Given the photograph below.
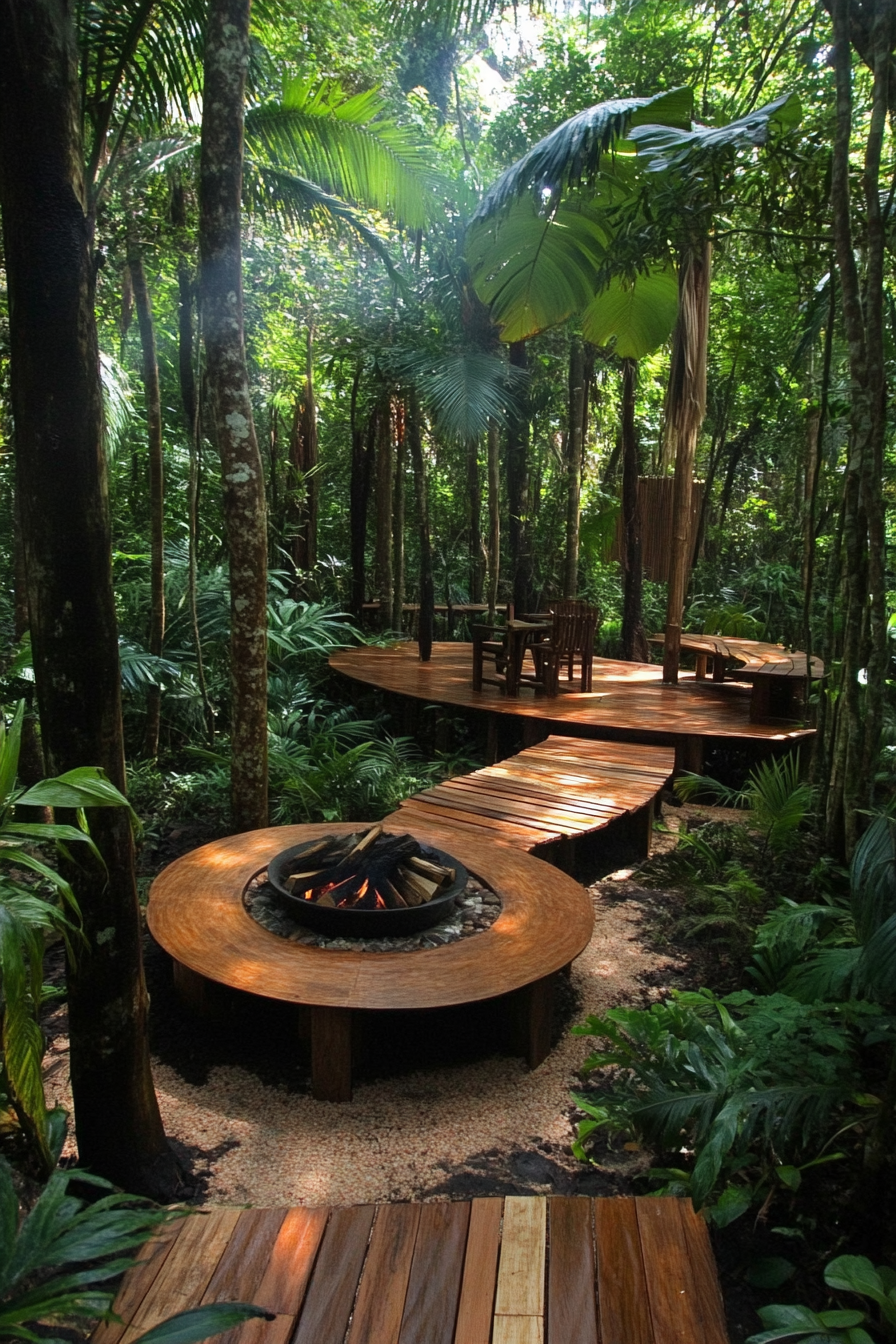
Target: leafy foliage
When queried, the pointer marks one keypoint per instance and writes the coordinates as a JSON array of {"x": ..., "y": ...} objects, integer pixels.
[
  {"x": 57, "y": 1263},
  {"x": 747, "y": 1085},
  {"x": 847, "y": 1274}
]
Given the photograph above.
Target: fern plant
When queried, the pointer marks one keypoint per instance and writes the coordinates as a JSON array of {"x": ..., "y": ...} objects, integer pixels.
[
  {"x": 778, "y": 800},
  {"x": 742, "y": 1090}
]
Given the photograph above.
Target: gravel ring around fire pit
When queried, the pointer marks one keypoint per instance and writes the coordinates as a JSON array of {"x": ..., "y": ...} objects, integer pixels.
[{"x": 475, "y": 910}]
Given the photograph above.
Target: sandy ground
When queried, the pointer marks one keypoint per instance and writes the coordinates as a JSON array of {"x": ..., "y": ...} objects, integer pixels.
[{"x": 484, "y": 1126}]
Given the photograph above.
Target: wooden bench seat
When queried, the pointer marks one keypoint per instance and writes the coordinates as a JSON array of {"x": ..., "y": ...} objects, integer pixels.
[
  {"x": 549, "y": 796},
  {"x": 521, "y": 1270}
]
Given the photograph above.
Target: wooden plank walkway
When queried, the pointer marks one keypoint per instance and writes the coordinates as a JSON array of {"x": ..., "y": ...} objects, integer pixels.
[
  {"x": 520, "y": 1270},
  {"x": 559, "y": 791}
]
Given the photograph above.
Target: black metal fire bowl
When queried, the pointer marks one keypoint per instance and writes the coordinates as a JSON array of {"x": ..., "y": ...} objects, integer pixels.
[{"x": 334, "y": 922}]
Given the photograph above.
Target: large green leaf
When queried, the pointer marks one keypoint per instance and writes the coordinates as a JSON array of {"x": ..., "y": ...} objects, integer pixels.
[
  {"x": 638, "y": 314},
  {"x": 10, "y": 742},
  {"x": 666, "y": 146},
  {"x": 201, "y": 1323},
  {"x": 535, "y": 269},
  {"x": 463, "y": 392},
  {"x": 575, "y": 150}
]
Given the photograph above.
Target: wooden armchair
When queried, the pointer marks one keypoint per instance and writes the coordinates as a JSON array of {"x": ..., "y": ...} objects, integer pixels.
[{"x": 574, "y": 627}]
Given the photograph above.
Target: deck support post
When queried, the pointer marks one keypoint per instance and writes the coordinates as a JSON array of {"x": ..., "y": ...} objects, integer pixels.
[
  {"x": 194, "y": 990},
  {"x": 531, "y": 1016},
  {"x": 331, "y": 1053},
  {"x": 689, "y": 754}
]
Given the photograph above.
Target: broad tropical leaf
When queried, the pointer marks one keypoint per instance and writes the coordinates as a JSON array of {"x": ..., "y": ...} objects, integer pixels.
[
  {"x": 638, "y": 315},
  {"x": 534, "y": 268},
  {"x": 665, "y": 146}
]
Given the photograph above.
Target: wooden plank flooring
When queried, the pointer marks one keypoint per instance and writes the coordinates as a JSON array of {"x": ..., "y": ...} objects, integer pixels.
[
  {"x": 562, "y": 789},
  {"x": 626, "y": 698},
  {"x": 525, "y": 1270}
]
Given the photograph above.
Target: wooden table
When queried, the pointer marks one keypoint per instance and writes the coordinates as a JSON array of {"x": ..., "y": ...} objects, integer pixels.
[
  {"x": 196, "y": 912},
  {"x": 516, "y": 636}
]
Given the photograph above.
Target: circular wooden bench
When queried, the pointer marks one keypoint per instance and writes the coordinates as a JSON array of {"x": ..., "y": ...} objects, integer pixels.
[{"x": 196, "y": 913}]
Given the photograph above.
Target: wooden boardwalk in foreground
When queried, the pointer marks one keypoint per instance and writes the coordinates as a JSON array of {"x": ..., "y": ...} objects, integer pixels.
[
  {"x": 521, "y": 1270},
  {"x": 559, "y": 791},
  {"x": 628, "y": 700}
]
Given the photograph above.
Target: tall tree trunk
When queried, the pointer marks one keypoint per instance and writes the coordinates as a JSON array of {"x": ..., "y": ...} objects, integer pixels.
[
  {"x": 363, "y": 448},
  {"x": 634, "y": 639},
  {"x": 685, "y": 408},
  {"x": 303, "y": 454},
  {"x": 220, "y": 182},
  {"x": 153, "y": 398},
  {"x": 61, "y": 475},
  {"x": 427, "y": 584},
  {"x": 860, "y": 712},
  {"x": 814, "y": 467},
  {"x": 398, "y": 519},
  {"x": 474, "y": 506},
  {"x": 518, "y": 495},
  {"x": 494, "y": 518},
  {"x": 575, "y": 441},
  {"x": 383, "y": 499}
]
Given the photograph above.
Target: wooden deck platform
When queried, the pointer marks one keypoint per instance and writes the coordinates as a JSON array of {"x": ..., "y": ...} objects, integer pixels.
[
  {"x": 521, "y": 1270},
  {"x": 628, "y": 701},
  {"x": 548, "y": 797}
]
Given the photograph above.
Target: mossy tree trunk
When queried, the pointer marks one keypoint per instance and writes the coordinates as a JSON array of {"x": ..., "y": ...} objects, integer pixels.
[
  {"x": 220, "y": 184},
  {"x": 63, "y": 499}
]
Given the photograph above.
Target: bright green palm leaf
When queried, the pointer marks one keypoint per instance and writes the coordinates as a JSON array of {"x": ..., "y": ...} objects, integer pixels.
[
  {"x": 10, "y": 742},
  {"x": 638, "y": 314},
  {"x": 201, "y": 1323},
  {"x": 350, "y": 148}
]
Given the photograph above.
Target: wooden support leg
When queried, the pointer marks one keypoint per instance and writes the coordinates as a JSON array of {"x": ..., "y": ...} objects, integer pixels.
[
  {"x": 534, "y": 731},
  {"x": 643, "y": 828},
  {"x": 491, "y": 748},
  {"x": 689, "y": 754},
  {"x": 540, "y": 1003},
  {"x": 194, "y": 990},
  {"x": 331, "y": 1054},
  {"x": 700, "y": 674}
]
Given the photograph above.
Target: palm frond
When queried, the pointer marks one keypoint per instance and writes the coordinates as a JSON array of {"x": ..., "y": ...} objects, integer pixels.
[
  {"x": 665, "y": 146},
  {"x": 271, "y": 191},
  {"x": 462, "y": 392},
  {"x": 348, "y": 145},
  {"x": 573, "y": 152}
]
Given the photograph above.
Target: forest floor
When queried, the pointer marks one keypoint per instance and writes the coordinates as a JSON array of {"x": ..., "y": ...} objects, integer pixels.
[{"x": 235, "y": 1100}]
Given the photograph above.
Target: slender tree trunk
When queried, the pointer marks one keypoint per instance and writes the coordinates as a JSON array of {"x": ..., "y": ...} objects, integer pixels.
[
  {"x": 427, "y": 584},
  {"x": 860, "y": 712},
  {"x": 304, "y": 457},
  {"x": 153, "y": 398},
  {"x": 363, "y": 448},
  {"x": 220, "y": 182},
  {"x": 494, "y": 517},
  {"x": 61, "y": 474},
  {"x": 634, "y": 639},
  {"x": 575, "y": 440},
  {"x": 385, "y": 466},
  {"x": 518, "y": 502},
  {"x": 398, "y": 519},
  {"x": 474, "y": 505},
  {"x": 686, "y": 405}
]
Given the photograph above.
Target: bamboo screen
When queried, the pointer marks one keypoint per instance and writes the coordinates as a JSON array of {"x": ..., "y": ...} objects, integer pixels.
[{"x": 655, "y": 499}]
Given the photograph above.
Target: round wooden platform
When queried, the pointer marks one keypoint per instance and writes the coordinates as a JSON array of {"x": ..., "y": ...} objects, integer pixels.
[{"x": 196, "y": 913}]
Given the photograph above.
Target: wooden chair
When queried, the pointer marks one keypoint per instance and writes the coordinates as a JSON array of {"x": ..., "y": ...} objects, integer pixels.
[
  {"x": 504, "y": 647},
  {"x": 574, "y": 626}
]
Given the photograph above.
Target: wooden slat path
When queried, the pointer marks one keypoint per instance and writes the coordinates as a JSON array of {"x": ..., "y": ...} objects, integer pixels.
[
  {"x": 522, "y": 1270},
  {"x": 560, "y": 790}
]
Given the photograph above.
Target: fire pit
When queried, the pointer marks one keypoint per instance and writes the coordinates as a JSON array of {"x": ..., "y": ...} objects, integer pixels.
[{"x": 370, "y": 884}]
